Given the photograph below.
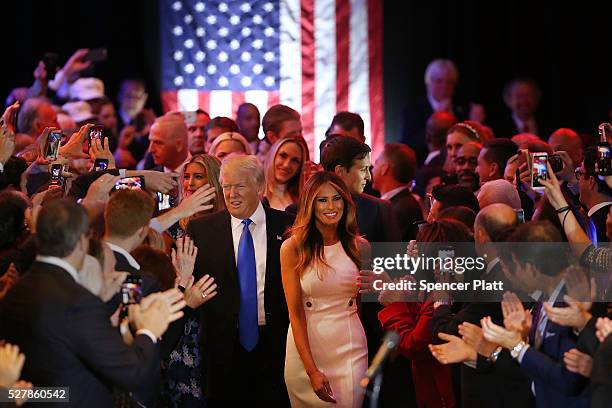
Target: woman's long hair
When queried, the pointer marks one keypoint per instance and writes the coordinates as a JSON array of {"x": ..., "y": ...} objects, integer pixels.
[
  {"x": 212, "y": 167},
  {"x": 309, "y": 241},
  {"x": 295, "y": 185}
]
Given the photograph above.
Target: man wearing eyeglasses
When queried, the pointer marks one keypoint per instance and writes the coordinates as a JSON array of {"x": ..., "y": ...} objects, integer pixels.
[{"x": 465, "y": 165}]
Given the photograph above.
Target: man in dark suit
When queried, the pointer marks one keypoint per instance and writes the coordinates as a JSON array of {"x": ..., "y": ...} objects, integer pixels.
[
  {"x": 393, "y": 174},
  {"x": 441, "y": 78},
  {"x": 126, "y": 218},
  {"x": 64, "y": 330},
  {"x": 481, "y": 384},
  {"x": 595, "y": 195},
  {"x": 244, "y": 328},
  {"x": 522, "y": 97}
]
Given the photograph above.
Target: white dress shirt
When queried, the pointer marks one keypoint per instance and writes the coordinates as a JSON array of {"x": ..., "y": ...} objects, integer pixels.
[
  {"x": 53, "y": 260},
  {"x": 392, "y": 193},
  {"x": 525, "y": 126},
  {"x": 260, "y": 242},
  {"x": 133, "y": 263}
]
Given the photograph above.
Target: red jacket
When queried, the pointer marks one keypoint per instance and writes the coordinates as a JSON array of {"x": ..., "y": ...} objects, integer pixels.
[{"x": 432, "y": 380}]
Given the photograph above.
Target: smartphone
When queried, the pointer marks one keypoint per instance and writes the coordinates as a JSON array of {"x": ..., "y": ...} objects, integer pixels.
[
  {"x": 164, "y": 201},
  {"x": 445, "y": 252},
  {"x": 51, "y": 61},
  {"x": 129, "y": 183},
  {"x": 100, "y": 164},
  {"x": 96, "y": 55},
  {"x": 190, "y": 117},
  {"x": 556, "y": 163},
  {"x": 54, "y": 142},
  {"x": 603, "y": 164},
  {"x": 96, "y": 132},
  {"x": 539, "y": 169},
  {"x": 56, "y": 175},
  {"x": 520, "y": 215},
  {"x": 131, "y": 293}
]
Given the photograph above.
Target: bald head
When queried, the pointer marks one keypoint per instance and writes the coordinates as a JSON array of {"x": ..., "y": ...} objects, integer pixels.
[
  {"x": 492, "y": 220},
  {"x": 169, "y": 140},
  {"x": 567, "y": 140}
]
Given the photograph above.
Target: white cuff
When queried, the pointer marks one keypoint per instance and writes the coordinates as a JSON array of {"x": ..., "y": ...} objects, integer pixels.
[
  {"x": 147, "y": 333},
  {"x": 58, "y": 80},
  {"x": 122, "y": 173},
  {"x": 1, "y": 168},
  {"x": 155, "y": 225}
]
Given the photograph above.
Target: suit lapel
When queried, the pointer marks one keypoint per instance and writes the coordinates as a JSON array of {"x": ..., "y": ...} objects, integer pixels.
[{"x": 226, "y": 245}]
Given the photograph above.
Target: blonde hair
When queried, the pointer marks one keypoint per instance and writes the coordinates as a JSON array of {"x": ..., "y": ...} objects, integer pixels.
[
  {"x": 309, "y": 241},
  {"x": 295, "y": 185},
  {"x": 212, "y": 167},
  {"x": 244, "y": 164},
  {"x": 229, "y": 136}
]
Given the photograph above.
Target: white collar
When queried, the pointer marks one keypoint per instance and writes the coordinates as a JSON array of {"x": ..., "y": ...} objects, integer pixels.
[
  {"x": 445, "y": 105},
  {"x": 258, "y": 218},
  {"x": 59, "y": 262},
  {"x": 491, "y": 265},
  {"x": 597, "y": 207},
  {"x": 392, "y": 193},
  {"x": 133, "y": 263},
  {"x": 431, "y": 156}
]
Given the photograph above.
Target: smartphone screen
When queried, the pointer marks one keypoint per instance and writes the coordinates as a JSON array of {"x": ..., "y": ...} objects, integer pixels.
[
  {"x": 164, "y": 201},
  {"x": 54, "y": 141},
  {"x": 539, "y": 170},
  {"x": 130, "y": 183},
  {"x": 100, "y": 164},
  {"x": 603, "y": 165},
  {"x": 131, "y": 293},
  {"x": 56, "y": 175}
]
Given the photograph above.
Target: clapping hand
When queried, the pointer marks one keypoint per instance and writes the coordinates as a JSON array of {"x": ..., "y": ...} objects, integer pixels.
[
  {"x": 499, "y": 335},
  {"x": 366, "y": 278},
  {"x": 576, "y": 315},
  {"x": 472, "y": 335},
  {"x": 604, "y": 328},
  {"x": 455, "y": 351},
  {"x": 156, "y": 311},
  {"x": 516, "y": 318},
  {"x": 183, "y": 259},
  {"x": 578, "y": 362}
]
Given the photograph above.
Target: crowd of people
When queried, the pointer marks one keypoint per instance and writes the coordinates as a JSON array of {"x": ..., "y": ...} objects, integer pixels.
[{"x": 181, "y": 260}]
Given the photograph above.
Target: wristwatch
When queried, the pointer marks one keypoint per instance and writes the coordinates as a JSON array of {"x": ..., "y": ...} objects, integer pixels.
[
  {"x": 516, "y": 351},
  {"x": 493, "y": 357}
]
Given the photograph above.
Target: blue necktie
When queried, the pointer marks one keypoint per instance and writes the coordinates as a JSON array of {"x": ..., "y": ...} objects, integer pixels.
[
  {"x": 592, "y": 231},
  {"x": 247, "y": 274}
]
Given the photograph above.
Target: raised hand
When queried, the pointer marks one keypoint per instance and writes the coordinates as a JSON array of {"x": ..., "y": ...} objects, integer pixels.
[
  {"x": 183, "y": 259},
  {"x": 455, "y": 351},
  {"x": 74, "y": 147},
  {"x": 197, "y": 202},
  {"x": 201, "y": 292},
  {"x": 75, "y": 63},
  {"x": 101, "y": 150},
  {"x": 157, "y": 181},
  {"x": 100, "y": 189},
  {"x": 8, "y": 115},
  {"x": 11, "y": 363}
]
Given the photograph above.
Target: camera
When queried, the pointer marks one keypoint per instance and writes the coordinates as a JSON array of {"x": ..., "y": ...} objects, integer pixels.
[
  {"x": 131, "y": 293},
  {"x": 54, "y": 142},
  {"x": 56, "y": 175}
]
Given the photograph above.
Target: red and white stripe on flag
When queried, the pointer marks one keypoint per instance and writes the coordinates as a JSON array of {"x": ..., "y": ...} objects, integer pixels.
[{"x": 330, "y": 61}]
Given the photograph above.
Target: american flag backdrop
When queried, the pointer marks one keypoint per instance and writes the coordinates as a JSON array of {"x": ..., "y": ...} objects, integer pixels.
[{"x": 317, "y": 56}]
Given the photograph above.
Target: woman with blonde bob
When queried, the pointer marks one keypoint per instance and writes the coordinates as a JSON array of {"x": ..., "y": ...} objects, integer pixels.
[
  {"x": 327, "y": 353},
  {"x": 202, "y": 169},
  {"x": 284, "y": 169}
]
